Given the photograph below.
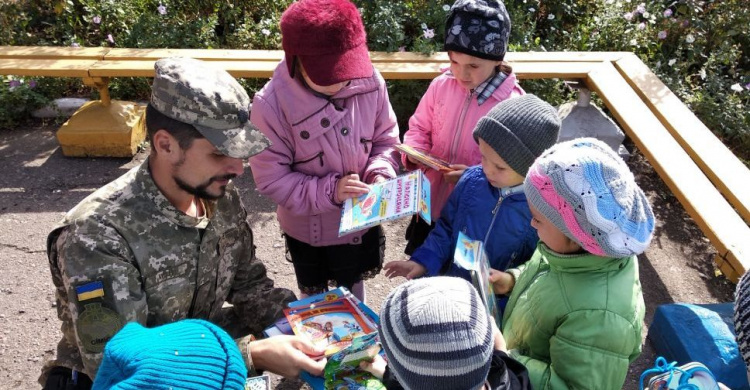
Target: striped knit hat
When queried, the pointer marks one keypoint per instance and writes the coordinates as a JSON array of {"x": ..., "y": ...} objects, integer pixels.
[
  {"x": 590, "y": 195},
  {"x": 188, "y": 354},
  {"x": 742, "y": 319},
  {"x": 436, "y": 334}
]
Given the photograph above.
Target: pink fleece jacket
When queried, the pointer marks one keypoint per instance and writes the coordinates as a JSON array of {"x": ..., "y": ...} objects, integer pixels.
[
  {"x": 316, "y": 140},
  {"x": 443, "y": 123}
]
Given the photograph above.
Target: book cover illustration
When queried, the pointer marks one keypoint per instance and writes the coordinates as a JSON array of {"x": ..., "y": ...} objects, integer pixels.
[
  {"x": 330, "y": 325},
  {"x": 470, "y": 255},
  {"x": 261, "y": 382},
  {"x": 342, "y": 369},
  {"x": 401, "y": 196},
  {"x": 425, "y": 158}
]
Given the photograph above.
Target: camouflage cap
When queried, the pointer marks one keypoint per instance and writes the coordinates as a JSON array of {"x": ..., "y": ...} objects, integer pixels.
[{"x": 210, "y": 99}]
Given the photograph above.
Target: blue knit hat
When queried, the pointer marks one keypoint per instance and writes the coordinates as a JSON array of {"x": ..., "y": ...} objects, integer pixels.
[
  {"x": 188, "y": 354},
  {"x": 436, "y": 334},
  {"x": 590, "y": 195}
]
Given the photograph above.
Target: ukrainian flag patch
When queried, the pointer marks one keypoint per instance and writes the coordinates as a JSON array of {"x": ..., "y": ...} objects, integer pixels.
[{"x": 90, "y": 291}]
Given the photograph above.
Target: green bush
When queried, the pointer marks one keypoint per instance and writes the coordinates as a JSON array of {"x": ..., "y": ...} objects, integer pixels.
[{"x": 699, "y": 48}]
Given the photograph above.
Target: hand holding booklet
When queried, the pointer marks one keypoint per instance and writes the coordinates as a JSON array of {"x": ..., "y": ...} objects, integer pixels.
[{"x": 345, "y": 327}]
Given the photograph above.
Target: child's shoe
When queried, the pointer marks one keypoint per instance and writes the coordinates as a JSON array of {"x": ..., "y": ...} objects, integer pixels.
[{"x": 690, "y": 376}]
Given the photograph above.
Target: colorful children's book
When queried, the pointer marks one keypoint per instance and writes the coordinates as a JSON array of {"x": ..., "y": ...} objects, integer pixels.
[
  {"x": 470, "y": 255},
  {"x": 331, "y": 325},
  {"x": 401, "y": 196},
  {"x": 342, "y": 369},
  {"x": 348, "y": 328},
  {"x": 424, "y": 158}
]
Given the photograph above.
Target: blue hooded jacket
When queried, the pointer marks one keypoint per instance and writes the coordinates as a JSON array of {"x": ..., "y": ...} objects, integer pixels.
[{"x": 477, "y": 209}]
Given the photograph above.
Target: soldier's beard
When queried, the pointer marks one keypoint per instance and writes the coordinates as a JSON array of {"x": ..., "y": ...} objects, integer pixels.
[{"x": 201, "y": 190}]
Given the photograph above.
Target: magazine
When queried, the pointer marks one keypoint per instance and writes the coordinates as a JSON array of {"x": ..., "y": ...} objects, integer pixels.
[
  {"x": 425, "y": 158},
  {"x": 470, "y": 255},
  {"x": 401, "y": 196}
]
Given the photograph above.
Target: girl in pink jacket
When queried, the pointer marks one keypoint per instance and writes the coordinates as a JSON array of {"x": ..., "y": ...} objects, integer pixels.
[
  {"x": 476, "y": 39},
  {"x": 332, "y": 131}
]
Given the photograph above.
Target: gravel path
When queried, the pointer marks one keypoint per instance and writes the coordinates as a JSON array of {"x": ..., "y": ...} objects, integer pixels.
[{"x": 38, "y": 185}]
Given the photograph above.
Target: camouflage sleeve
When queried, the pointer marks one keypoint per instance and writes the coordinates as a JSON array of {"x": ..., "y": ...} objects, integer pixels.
[
  {"x": 103, "y": 288},
  {"x": 253, "y": 294}
]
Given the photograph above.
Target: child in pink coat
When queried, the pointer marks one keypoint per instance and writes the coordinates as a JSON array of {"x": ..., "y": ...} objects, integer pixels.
[
  {"x": 476, "y": 39},
  {"x": 327, "y": 114}
]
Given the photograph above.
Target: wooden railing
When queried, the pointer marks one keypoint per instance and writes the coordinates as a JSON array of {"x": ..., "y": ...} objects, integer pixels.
[{"x": 710, "y": 182}]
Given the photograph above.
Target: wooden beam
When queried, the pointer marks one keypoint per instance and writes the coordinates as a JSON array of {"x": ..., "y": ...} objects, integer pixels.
[
  {"x": 711, "y": 212},
  {"x": 38, "y": 67},
  {"x": 722, "y": 167},
  {"x": 391, "y": 71},
  {"x": 53, "y": 52}
]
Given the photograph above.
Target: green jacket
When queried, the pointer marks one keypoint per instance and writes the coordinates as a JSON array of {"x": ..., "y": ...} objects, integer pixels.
[
  {"x": 575, "y": 321},
  {"x": 125, "y": 253}
]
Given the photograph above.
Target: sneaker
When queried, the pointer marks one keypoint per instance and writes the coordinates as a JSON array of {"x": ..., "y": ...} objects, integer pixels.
[{"x": 690, "y": 376}]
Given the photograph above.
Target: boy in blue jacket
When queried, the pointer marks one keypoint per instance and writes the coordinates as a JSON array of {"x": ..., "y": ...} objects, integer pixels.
[{"x": 488, "y": 203}]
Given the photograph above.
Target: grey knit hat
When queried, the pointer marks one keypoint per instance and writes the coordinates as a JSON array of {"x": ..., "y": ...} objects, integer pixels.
[
  {"x": 742, "y": 319},
  {"x": 519, "y": 130},
  {"x": 436, "y": 334},
  {"x": 478, "y": 28}
]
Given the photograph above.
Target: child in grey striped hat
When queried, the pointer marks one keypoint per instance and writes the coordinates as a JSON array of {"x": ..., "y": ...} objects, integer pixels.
[{"x": 437, "y": 335}]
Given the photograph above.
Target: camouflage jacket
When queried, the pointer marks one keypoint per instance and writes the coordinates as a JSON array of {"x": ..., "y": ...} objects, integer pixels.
[{"x": 126, "y": 254}]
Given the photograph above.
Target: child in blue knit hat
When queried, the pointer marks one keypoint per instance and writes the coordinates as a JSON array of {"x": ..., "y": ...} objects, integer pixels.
[
  {"x": 437, "y": 335},
  {"x": 576, "y": 310},
  {"x": 188, "y": 354}
]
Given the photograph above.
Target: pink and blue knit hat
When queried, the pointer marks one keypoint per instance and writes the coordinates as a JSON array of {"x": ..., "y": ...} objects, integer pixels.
[{"x": 588, "y": 192}]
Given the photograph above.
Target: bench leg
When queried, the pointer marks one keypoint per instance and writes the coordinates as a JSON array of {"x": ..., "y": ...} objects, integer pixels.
[{"x": 103, "y": 129}]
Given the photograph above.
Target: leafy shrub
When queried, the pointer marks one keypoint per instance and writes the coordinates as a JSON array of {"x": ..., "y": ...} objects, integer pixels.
[
  {"x": 699, "y": 48},
  {"x": 18, "y": 98}
]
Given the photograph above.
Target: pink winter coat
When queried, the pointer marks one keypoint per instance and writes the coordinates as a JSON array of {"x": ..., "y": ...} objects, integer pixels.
[
  {"x": 443, "y": 123},
  {"x": 314, "y": 141}
]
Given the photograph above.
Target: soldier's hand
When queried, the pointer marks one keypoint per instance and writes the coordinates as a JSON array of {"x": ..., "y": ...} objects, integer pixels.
[{"x": 287, "y": 356}]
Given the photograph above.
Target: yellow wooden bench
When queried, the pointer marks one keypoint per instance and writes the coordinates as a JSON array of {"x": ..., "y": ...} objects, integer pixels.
[{"x": 707, "y": 179}]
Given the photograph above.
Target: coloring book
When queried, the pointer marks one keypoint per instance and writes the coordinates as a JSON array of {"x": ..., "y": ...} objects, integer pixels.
[{"x": 401, "y": 196}]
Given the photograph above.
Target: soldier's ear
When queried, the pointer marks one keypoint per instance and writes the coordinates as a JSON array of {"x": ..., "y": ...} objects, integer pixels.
[{"x": 164, "y": 143}]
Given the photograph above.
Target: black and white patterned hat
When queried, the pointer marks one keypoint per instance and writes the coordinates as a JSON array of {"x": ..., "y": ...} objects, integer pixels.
[
  {"x": 478, "y": 28},
  {"x": 436, "y": 334},
  {"x": 742, "y": 318}
]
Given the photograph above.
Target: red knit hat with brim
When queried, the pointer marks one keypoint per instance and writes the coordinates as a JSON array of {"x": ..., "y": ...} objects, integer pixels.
[{"x": 329, "y": 39}]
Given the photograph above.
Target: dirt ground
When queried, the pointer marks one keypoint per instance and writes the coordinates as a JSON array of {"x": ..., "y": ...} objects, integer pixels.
[{"x": 38, "y": 185}]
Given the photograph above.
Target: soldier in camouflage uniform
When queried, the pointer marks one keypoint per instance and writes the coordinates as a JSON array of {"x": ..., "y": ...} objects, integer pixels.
[{"x": 169, "y": 240}]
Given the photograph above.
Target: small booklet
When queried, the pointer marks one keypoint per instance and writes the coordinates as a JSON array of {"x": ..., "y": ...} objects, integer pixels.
[
  {"x": 401, "y": 196},
  {"x": 342, "y": 368},
  {"x": 260, "y": 382},
  {"x": 470, "y": 255},
  {"x": 425, "y": 158}
]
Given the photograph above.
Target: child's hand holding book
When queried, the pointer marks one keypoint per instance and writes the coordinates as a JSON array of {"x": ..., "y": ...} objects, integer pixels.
[{"x": 502, "y": 282}]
